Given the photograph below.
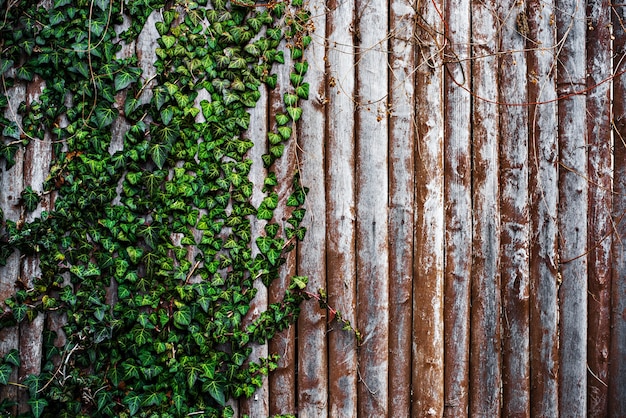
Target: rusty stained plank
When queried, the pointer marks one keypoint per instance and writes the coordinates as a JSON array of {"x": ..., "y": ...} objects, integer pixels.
[
  {"x": 485, "y": 356},
  {"x": 372, "y": 185},
  {"x": 11, "y": 186},
  {"x": 617, "y": 369},
  {"x": 515, "y": 222},
  {"x": 258, "y": 404},
  {"x": 600, "y": 224},
  {"x": 283, "y": 343},
  {"x": 401, "y": 199},
  {"x": 312, "y": 350},
  {"x": 458, "y": 207},
  {"x": 428, "y": 282},
  {"x": 572, "y": 209},
  {"x": 543, "y": 154},
  {"x": 340, "y": 206},
  {"x": 37, "y": 157}
]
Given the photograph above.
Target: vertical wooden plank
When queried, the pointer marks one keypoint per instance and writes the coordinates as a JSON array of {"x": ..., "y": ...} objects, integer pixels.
[
  {"x": 401, "y": 198},
  {"x": 428, "y": 323},
  {"x": 485, "y": 307},
  {"x": 372, "y": 206},
  {"x": 341, "y": 211},
  {"x": 258, "y": 404},
  {"x": 457, "y": 195},
  {"x": 312, "y": 345},
  {"x": 599, "y": 68},
  {"x": 11, "y": 185},
  {"x": 283, "y": 379},
  {"x": 37, "y": 158},
  {"x": 571, "y": 71},
  {"x": 543, "y": 151},
  {"x": 617, "y": 372},
  {"x": 514, "y": 255}
]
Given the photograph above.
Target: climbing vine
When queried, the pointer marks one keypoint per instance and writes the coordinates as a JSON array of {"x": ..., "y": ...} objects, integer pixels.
[{"x": 148, "y": 251}]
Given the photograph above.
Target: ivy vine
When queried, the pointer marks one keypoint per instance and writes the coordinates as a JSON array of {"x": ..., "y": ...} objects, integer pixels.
[{"x": 148, "y": 250}]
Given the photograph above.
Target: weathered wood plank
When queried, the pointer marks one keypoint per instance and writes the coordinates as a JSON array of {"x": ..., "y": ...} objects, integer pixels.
[
  {"x": 258, "y": 405},
  {"x": 401, "y": 198},
  {"x": 312, "y": 348},
  {"x": 617, "y": 371},
  {"x": 600, "y": 200},
  {"x": 514, "y": 255},
  {"x": 283, "y": 343},
  {"x": 485, "y": 372},
  {"x": 572, "y": 214},
  {"x": 11, "y": 185},
  {"x": 340, "y": 209},
  {"x": 372, "y": 241},
  {"x": 428, "y": 324},
  {"x": 458, "y": 206},
  {"x": 543, "y": 151}
]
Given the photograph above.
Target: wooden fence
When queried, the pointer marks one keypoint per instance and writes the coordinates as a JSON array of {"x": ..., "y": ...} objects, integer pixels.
[{"x": 466, "y": 162}]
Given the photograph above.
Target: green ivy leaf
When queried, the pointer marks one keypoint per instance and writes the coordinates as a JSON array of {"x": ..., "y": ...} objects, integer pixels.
[
  {"x": 5, "y": 374},
  {"x": 182, "y": 316},
  {"x": 37, "y": 406},
  {"x": 295, "y": 113},
  {"x": 298, "y": 282},
  {"x": 126, "y": 77},
  {"x": 30, "y": 199},
  {"x": 159, "y": 153},
  {"x": 216, "y": 390},
  {"x": 133, "y": 400},
  {"x": 13, "y": 357},
  {"x": 303, "y": 91}
]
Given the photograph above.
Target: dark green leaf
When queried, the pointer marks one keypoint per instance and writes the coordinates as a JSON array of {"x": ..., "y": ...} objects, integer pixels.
[{"x": 37, "y": 406}]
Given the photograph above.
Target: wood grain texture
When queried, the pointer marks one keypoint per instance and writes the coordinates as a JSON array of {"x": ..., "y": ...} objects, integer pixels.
[
  {"x": 543, "y": 154},
  {"x": 600, "y": 224},
  {"x": 572, "y": 214},
  {"x": 372, "y": 185},
  {"x": 458, "y": 207},
  {"x": 428, "y": 282},
  {"x": 341, "y": 207},
  {"x": 401, "y": 201},
  {"x": 312, "y": 348},
  {"x": 617, "y": 366},
  {"x": 485, "y": 356},
  {"x": 514, "y": 256}
]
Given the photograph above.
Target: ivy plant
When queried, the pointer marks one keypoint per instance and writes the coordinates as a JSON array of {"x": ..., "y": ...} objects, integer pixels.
[{"x": 148, "y": 249}]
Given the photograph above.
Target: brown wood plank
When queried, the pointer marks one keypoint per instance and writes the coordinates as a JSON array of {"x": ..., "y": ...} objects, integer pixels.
[
  {"x": 428, "y": 324},
  {"x": 543, "y": 201},
  {"x": 312, "y": 347},
  {"x": 458, "y": 207},
  {"x": 571, "y": 77},
  {"x": 340, "y": 209},
  {"x": 617, "y": 369},
  {"x": 514, "y": 255},
  {"x": 372, "y": 183},
  {"x": 283, "y": 379},
  {"x": 600, "y": 200},
  {"x": 401, "y": 199},
  {"x": 485, "y": 343}
]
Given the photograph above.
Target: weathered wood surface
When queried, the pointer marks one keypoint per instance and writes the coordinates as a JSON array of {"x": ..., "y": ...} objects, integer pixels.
[
  {"x": 572, "y": 210},
  {"x": 600, "y": 225},
  {"x": 543, "y": 198},
  {"x": 485, "y": 356},
  {"x": 617, "y": 373},
  {"x": 428, "y": 280},
  {"x": 466, "y": 212}
]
